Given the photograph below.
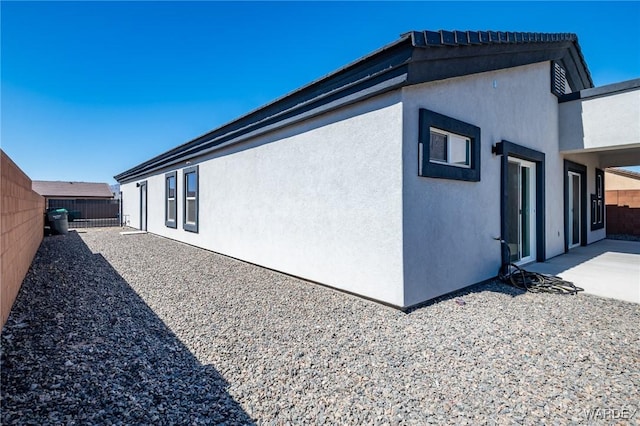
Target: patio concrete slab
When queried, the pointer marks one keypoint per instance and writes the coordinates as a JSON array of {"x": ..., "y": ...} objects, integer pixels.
[{"x": 607, "y": 268}]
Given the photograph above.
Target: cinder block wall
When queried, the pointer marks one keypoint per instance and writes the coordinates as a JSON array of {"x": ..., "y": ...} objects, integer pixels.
[
  {"x": 627, "y": 197},
  {"x": 623, "y": 212},
  {"x": 22, "y": 229}
]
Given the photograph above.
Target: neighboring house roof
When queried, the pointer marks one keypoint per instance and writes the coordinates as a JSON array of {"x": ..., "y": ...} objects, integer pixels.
[
  {"x": 52, "y": 189},
  {"x": 417, "y": 57},
  {"x": 621, "y": 180},
  {"x": 623, "y": 172}
]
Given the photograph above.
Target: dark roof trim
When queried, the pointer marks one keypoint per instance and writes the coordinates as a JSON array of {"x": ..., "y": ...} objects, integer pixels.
[
  {"x": 417, "y": 57},
  {"x": 519, "y": 49},
  {"x": 365, "y": 72},
  {"x": 355, "y": 94},
  {"x": 609, "y": 89},
  {"x": 458, "y": 38}
]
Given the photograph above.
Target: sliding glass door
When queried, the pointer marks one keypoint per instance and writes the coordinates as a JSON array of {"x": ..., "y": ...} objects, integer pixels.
[{"x": 521, "y": 210}]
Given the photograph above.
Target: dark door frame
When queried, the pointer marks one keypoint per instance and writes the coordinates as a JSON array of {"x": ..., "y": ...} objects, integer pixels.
[
  {"x": 580, "y": 169},
  {"x": 146, "y": 206},
  {"x": 509, "y": 149}
]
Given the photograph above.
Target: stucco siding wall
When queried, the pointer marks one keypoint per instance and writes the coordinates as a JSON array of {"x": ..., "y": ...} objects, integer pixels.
[
  {"x": 600, "y": 122},
  {"x": 321, "y": 200},
  {"x": 449, "y": 225},
  {"x": 22, "y": 229}
]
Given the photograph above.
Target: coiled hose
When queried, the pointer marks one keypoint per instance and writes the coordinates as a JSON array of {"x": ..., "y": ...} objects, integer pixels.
[{"x": 533, "y": 282}]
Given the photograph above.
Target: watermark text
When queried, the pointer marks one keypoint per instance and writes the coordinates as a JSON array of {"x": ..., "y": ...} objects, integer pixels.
[{"x": 602, "y": 413}]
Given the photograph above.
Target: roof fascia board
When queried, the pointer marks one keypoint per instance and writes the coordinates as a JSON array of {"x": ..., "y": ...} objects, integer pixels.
[
  {"x": 609, "y": 89},
  {"x": 578, "y": 75},
  {"x": 380, "y": 61},
  {"x": 491, "y": 51},
  {"x": 439, "y": 69},
  {"x": 486, "y": 50},
  {"x": 363, "y": 93},
  {"x": 475, "y": 59},
  {"x": 433, "y": 41},
  {"x": 327, "y": 98}
]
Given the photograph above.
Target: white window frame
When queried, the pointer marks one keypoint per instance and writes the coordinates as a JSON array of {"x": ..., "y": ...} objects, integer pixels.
[
  {"x": 191, "y": 226},
  {"x": 448, "y": 136}
]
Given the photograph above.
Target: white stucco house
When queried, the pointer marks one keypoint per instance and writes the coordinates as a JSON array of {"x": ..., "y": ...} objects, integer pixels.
[{"x": 391, "y": 177}]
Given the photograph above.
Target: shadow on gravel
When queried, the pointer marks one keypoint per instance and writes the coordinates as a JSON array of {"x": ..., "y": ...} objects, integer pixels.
[
  {"x": 80, "y": 346},
  {"x": 493, "y": 285}
]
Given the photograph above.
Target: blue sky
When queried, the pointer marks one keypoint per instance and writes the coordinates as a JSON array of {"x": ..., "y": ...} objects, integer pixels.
[{"x": 90, "y": 89}]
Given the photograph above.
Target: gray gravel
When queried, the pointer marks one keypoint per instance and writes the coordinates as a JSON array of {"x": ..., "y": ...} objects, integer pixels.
[
  {"x": 112, "y": 329},
  {"x": 624, "y": 237}
]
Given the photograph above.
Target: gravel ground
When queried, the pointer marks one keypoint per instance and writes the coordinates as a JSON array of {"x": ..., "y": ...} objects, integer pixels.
[
  {"x": 624, "y": 237},
  {"x": 112, "y": 329}
]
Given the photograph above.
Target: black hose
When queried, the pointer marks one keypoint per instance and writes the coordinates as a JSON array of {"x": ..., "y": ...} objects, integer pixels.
[{"x": 533, "y": 282}]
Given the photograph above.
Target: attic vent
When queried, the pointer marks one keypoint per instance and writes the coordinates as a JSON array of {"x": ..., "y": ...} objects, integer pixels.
[{"x": 558, "y": 80}]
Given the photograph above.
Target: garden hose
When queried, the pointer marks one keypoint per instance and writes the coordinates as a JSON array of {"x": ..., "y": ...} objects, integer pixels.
[{"x": 533, "y": 282}]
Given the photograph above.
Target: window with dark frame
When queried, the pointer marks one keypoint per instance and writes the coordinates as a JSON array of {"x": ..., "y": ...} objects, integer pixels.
[
  {"x": 171, "y": 207},
  {"x": 190, "y": 207},
  {"x": 597, "y": 202},
  {"x": 448, "y": 148}
]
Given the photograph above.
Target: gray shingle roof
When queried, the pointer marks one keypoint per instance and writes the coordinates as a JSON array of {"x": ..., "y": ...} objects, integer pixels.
[
  {"x": 444, "y": 38},
  {"x": 465, "y": 38},
  {"x": 71, "y": 189}
]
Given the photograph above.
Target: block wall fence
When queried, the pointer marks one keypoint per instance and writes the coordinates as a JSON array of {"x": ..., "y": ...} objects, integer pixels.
[
  {"x": 22, "y": 229},
  {"x": 623, "y": 212}
]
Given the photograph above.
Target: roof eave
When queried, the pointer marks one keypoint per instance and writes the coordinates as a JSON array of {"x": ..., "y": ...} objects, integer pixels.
[
  {"x": 404, "y": 57},
  {"x": 393, "y": 79},
  {"x": 382, "y": 62}
]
